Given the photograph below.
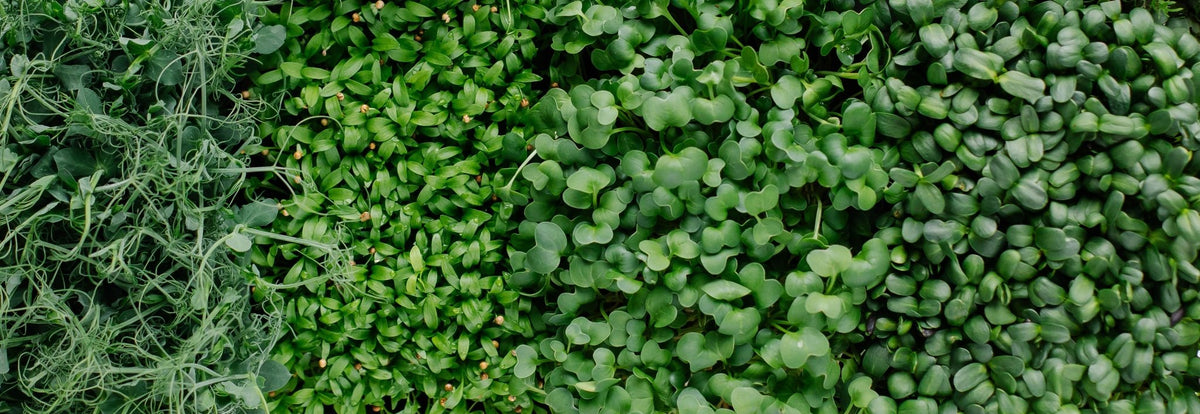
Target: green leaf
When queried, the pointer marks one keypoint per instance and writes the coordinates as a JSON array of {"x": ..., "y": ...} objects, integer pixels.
[
  {"x": 740, "y": 323},
  {"x": 416, "y": 259},
  {"x": 1023, "y": 86},
  {"x": 588, "y": 180},
  {"x": 601, "y": 19},
  {"x": 935, "y": 40},
  {"x": 710, "y": 111},
  {"x": 855, "y": 162},
  {"x": 560, "y": 400},
  {"x": 238, "y": 242},
  {"x": 829, "y": 305},
  {"x": 969, "y": 376},
  {"x": 870, "y": 266},
  {"x": 830, "y": 261},
  {"x": 672, "y": 111},
  {"x": 930, "y": 197},
  {"x": 269, "y": 38},
  {"x": 540, "y": 260},
  {"x": 660, "y": 304},
  {"x": 758, "y": 202},
  {"x": 249, "y": 395},
  {"x": 274, "y": 374},
  {"x": 75, "y": 162},
  {"x": 797, "y": 347},
  {"x": 656, "y": 258},
  {"x": 724, "y": 290},
  {"x": 978, "y": 64},
  {"x": 710, "y": 39},
  {"x": 746, "y": 400},
  {"x": 681, "y": 245},
  {"x": 716, "y": 263},
  {"x": 73, "y": 77},
  {"x": 526, "y": 361},
  {"x": 750, "y": 61},
  {"x": 585, "y": 234},
  {"x": 786, "y": 91},
  {"x": 550, "y": 237},
  {"x": 672, "y": 170},
  {"x": 595, "y": 136},
  {"x": 892, "y": 125},
  {"x": 859, "y": 121},
  {"x": 921, "y": 11},
  {"x": 314, "y": 73},
  {"x": 860, "y": 392},
  {"x": 1030, "y": 194},
  {"x": 692, "y": 349},
  {"x": 258, "y": 214},
  {"x": 165, "y": 68}
]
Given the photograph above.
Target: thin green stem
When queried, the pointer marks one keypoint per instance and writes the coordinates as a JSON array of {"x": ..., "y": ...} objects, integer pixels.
[
  {"x": 522, "y": 166},
  {"x": 817, "y": 222},
  {"x": 640, "y": 131},
  {"x": 758, "y": 91},
  {"x": 843, "y": 75},
  {"x": 667, "y": 14}
]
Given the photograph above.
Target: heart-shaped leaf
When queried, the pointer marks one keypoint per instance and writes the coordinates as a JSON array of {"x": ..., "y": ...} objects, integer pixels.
[
  {"x": 674, "y": 110},
  {"x": 710, "y": 111},
  {"x": 797, "y": 348},
  {"x": 829, "y": 305},
  {"x": 830, "y": 261},
  {"x": 725, "y": 290},
  {"x": 758, "y": 202},
  {"x": 588, "y": 180},
  {"x": 672, "y": 170},
  {"x": 585, "y": 234},
  {"x": 550, "y": 237}
]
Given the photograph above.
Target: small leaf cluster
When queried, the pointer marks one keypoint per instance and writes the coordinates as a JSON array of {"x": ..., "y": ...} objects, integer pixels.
[
  {"x": 393, "y": 117},
  {"x": 1046, "y": 196},
  {"x": 902, "y": 206},
  {"x": 691, "y": 211},
  {"x": 122, "y": 273}
]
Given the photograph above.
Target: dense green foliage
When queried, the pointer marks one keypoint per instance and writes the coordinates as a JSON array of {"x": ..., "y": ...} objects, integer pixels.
[
  {"x": 392, "y": 124},
  {"x": 121, "y": 284},
  {"x": 902, "y": 206},
  {"x": 1059, "y": 254}
]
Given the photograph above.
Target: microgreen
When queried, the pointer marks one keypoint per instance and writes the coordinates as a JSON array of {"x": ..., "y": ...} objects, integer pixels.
[
  {"x": 396, "y": 119},
  {"x": 125, "y": 279},
  {"x": 566, "y": 205}
]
